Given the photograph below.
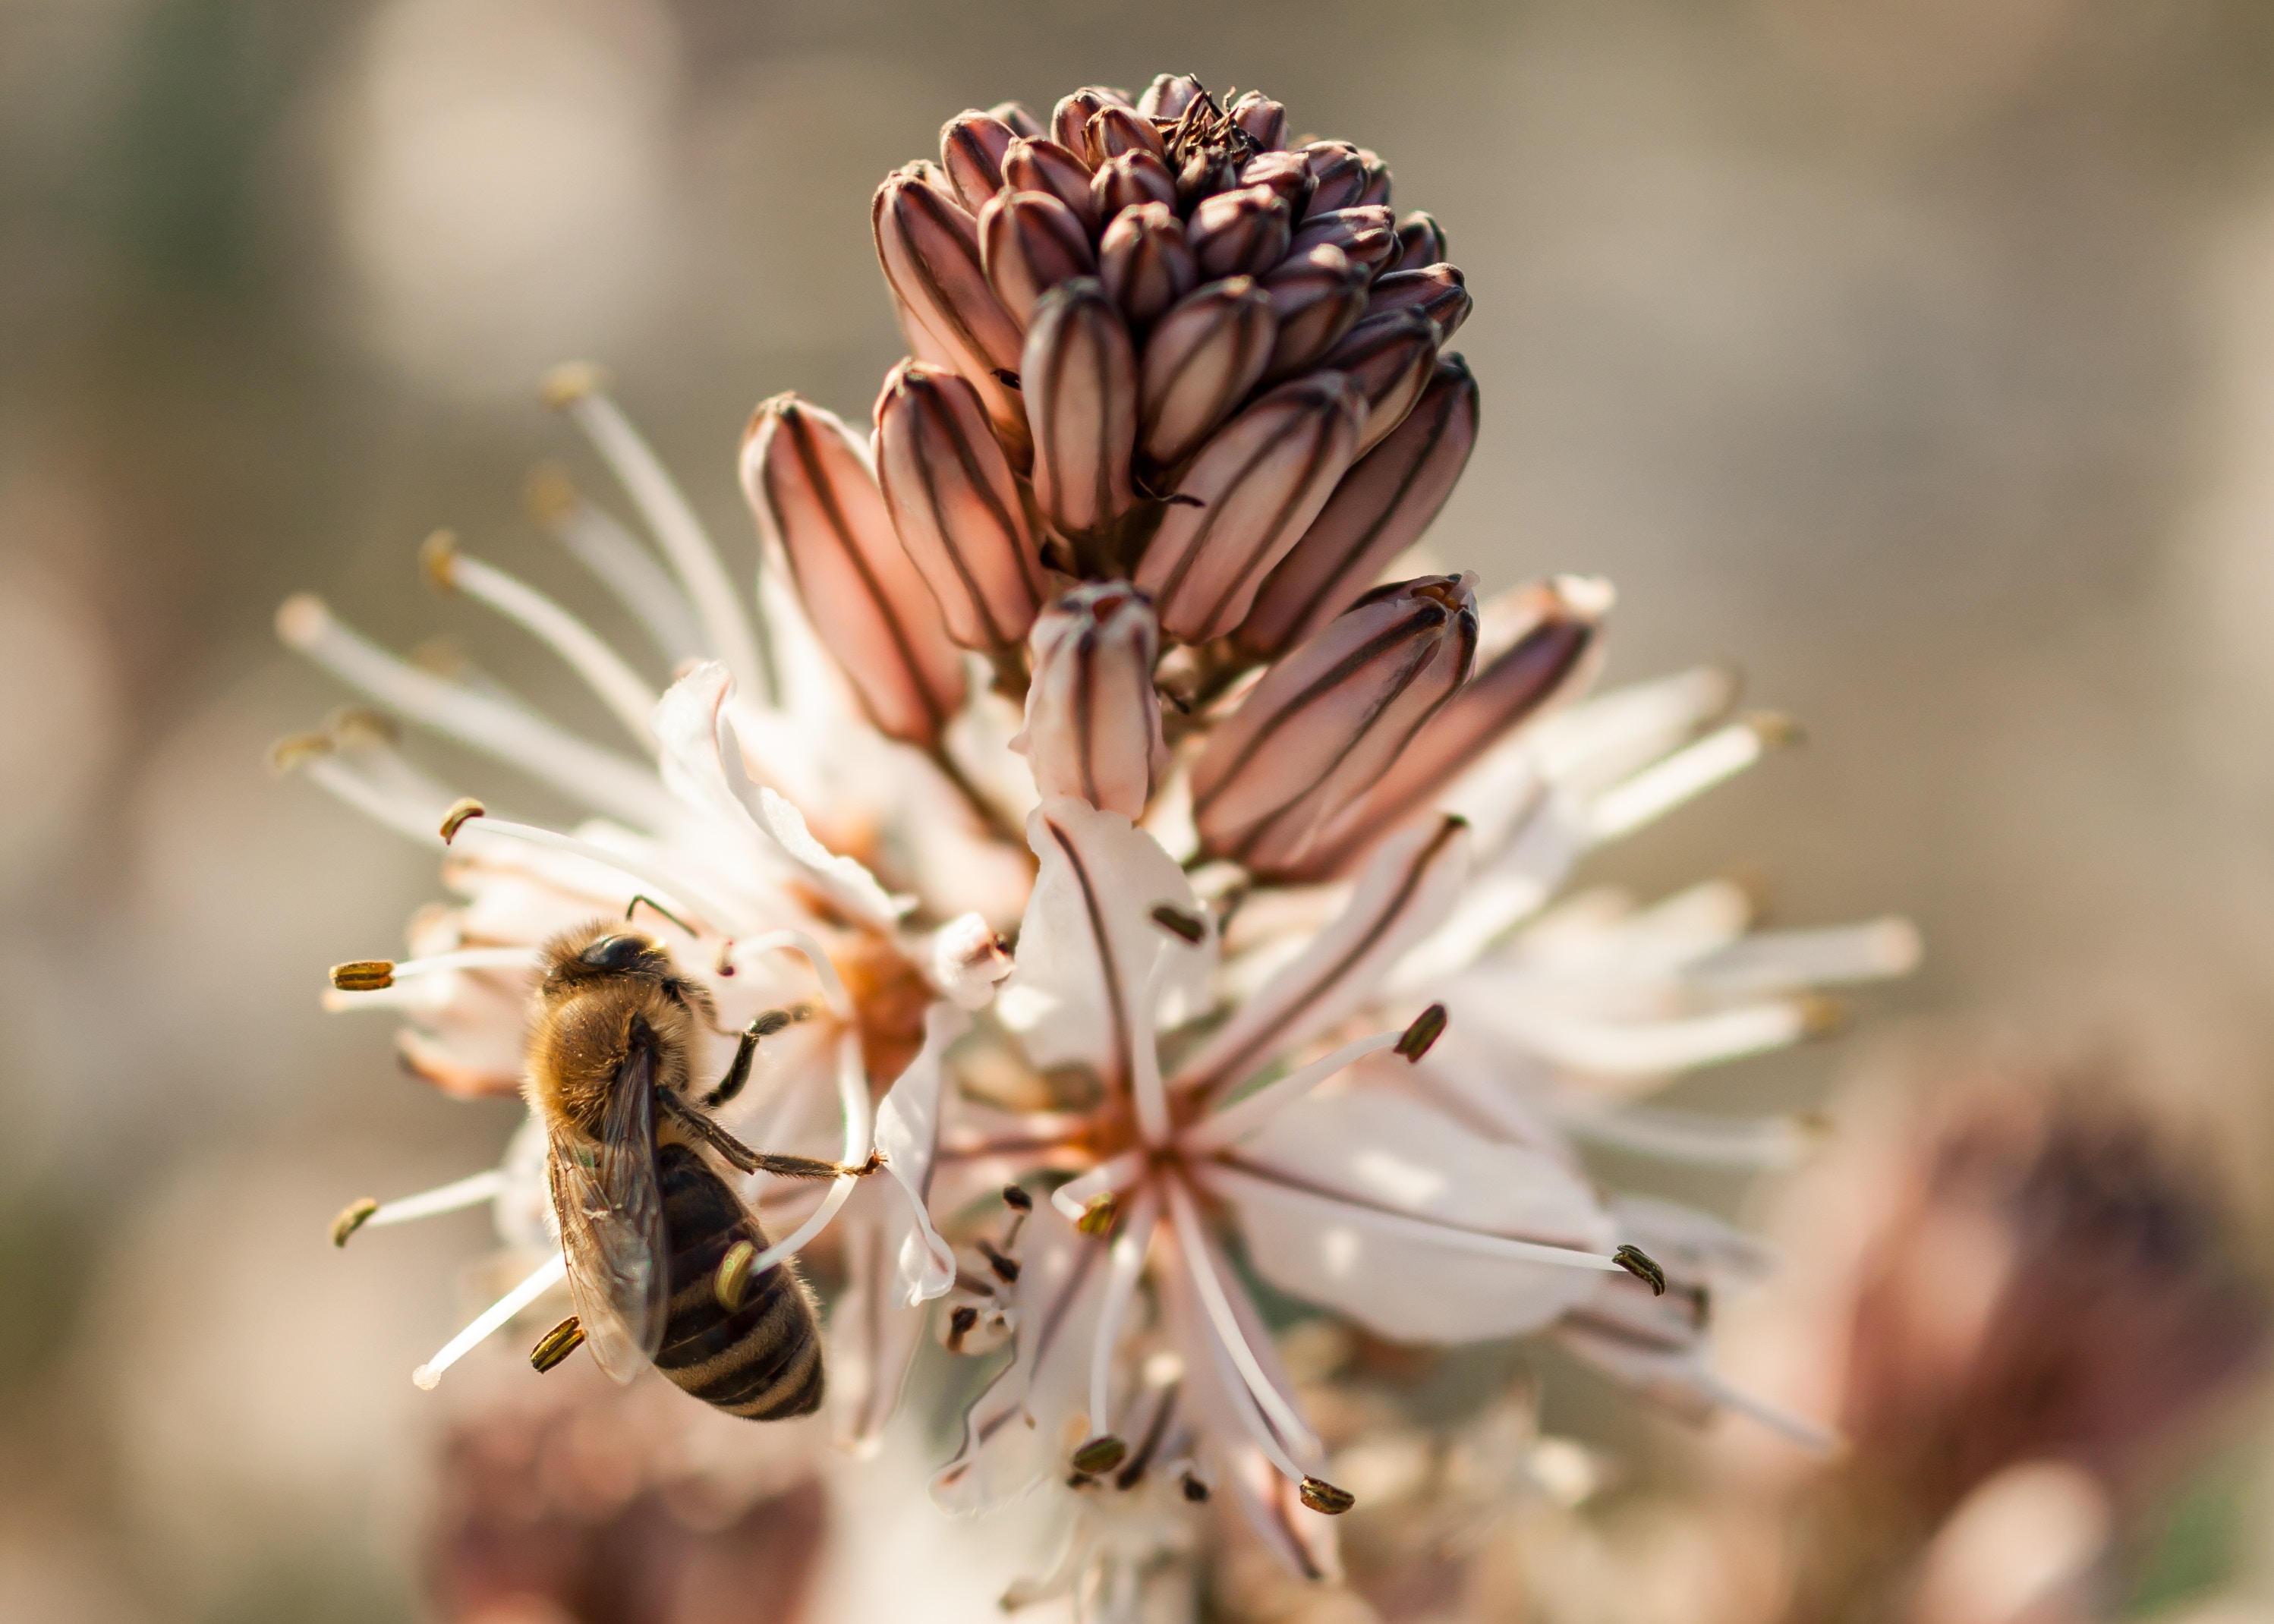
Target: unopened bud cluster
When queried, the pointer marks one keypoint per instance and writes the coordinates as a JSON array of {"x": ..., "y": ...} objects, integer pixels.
[{"x": 1177, "y": 388}]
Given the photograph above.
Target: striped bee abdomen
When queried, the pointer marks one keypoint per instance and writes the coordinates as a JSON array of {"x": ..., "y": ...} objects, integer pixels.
[{"x": 764, "y": 1360}]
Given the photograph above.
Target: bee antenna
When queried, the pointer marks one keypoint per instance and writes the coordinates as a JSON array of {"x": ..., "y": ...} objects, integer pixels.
[{"x": 633, "y": 906}]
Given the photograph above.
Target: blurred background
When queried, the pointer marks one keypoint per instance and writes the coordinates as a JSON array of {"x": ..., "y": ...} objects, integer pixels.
[{"x": 1917, "y": 358}]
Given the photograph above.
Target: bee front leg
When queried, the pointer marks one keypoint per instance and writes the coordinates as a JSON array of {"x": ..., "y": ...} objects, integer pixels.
[
  {"x": 738, "y": 1074},
  {"x": 743, "y": 1158}
]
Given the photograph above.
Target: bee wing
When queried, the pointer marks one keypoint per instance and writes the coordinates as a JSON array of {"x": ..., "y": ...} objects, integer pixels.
[{"x": 610, "y": 1215}]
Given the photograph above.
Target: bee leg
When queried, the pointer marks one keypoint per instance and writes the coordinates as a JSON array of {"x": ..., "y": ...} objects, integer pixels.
[
  {"x": 739, "y": 1073},
  {"x": 743, "y": 1157}
]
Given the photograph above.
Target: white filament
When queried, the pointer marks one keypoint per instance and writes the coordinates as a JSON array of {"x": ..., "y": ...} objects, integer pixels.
[
  {"x": 1193, "y": 1245},
  {"x": 1752, "y": 1142},
  {"x": 548, "y": 1274},
  {"x": 627, "y": 569},
  {"x": 1245, "y": 1186},
  {"x": 383, "y": 806},
  {"x": 1126, "y": 1263},
  {"x": 583, "y": 649},
  {"x": 601, "y": 779},
  {"x": 469, "y": 1192},
  {"x": 468, "y": 958},
  {"x": 660, "y": 887},
  {"x": 1244, "y": 1116},
  {"x": 677, "y": 531},
  {"x": 1145, "y": 1088},
  {"x": 1651, "y": 1049},
  {"x": 1779, "y": 960},
  {"x": 1689, "y": 773},
  {"x": 853, "y": 1094}
]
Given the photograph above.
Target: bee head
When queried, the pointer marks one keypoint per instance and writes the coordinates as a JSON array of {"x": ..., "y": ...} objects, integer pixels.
[{"x": 624, "y": 952}]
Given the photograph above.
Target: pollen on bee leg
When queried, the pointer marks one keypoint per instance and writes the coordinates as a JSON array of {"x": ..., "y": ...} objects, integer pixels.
[
  {"x": 734, "y": 1276},
  {"x": 557, "y": 1344}
]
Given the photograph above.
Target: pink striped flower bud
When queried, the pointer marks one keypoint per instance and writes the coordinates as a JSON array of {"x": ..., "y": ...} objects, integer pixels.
[
  {"x": 1205, "y": 171},
  {"x": 1382, "y": 505},
  {"x": 1028, "y": 244},
  {"x": 930, "y": 250},
  {"x": 1145, "y": 263},
  {"x": 1239, "y": 233},
  {"x": 1288, "y": 176},
  {"x": 1549, "y": 638},
  {"x": 1252, "y": 491},
  {"x": 1368, "y": 235},
  {"x": 1327, "y": 722},
  {"x": 1020, "y": 116},
  {"x": 955, "y": 504},
  {"x": 1081, "y": 380},
  {"x": 1338, "y": 175},
  {"x": 1391, "y": 356},
  {"x": 1093, "y": 718},
  {"x": 1201, "y": 360},
  {"x": 1168, "y": 95},
  {"x": 1030, "y": 165},
  {"x": 1317, "y": 297},
  {"x": 1420, "y": 243},
  {"x": 1439, "y": 292},
  {"x": 1377, "y": 180},
  {"x": 822, "y": 516},
  {"x": 1116, "y": 130},
  {"x": 1131, "y": 180},
  {"x": 1070, "y": 119},
  {"x": 1264, "y": 120},
  {"x": 971, "y": 148}
]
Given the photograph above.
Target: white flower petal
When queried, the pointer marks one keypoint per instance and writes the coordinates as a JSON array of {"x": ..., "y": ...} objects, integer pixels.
[
  {"x": 907, "y": 1132},
  {"x": 1355, "y": 1156}
]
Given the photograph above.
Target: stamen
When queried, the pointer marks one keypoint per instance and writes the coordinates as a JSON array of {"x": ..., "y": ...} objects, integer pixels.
[
  {"x": 1324, "y": 1498},
  {"x": 1245, "y": 1116},
  {"x": 630, "y": 867},
  {"x": 960, "y": 1325},
  {"x": 557, "y": 1344},
  {"x": 1696, "y": 1139},
  {"x": 450, "y": 1198},
  {"x": 1185, "y": 927},
  {"x": 461, "y": 810},
  {"x": 832, "y": 985},
  {"x": 1006, "y": 1267},
  {"x": 547, "y": 1275},
  {"x": 372, "y": 975},
  {"x": 1690, "y": 772},
  {"x": 1097, "y": 1216},
  {"x": 1077, "y": 1196},
  {"x": 622, "y": 565},
  {"x": 1639, "y": 1264},
  {"x": 578, "y": 390},
  {"x": 579, "y": 647},
  {"x": 1417, "y": 1040},
  {"x": 387, "y": 807},
  {"x": 1125, "y": 1266},
  {"x": 734, "y": 1276},
  {"x": 1193, "y": 1243},
  {"x": 1017, "y": 1199},
  {"x": 1148, "y": 1446},
  {"x": 1100, "y": 1455},
  {"x": 363, "y": 976},
  {"x": 602, "y": 778},
  {"x": 1651, "y": 1049},
  {"x": 853, "y": 1096},
  {"x": 1226, "y": 1179}
]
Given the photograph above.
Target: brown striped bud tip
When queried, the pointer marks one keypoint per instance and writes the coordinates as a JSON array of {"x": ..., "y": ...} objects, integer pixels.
[
  {"x": 1420, "y": 243},
  {"x": 1239, "y": 233},
  {"x": 1262, "y": 120},
  {"x": 1330, "y": 718},
  {"x": 1368, "y": 234},
  {"x": 363, "y": 976},
  {"x": 1130, "y": 181},
  {"x": 1170, "y": 95},
  {"x": 1093, "y": 723},
  {"x": 1028, "y": 244},
  {"x": 1379, "y": 509},
  {"x": 1020, "y": 116},
  {"x": 1391, "y": 357},
  {"x": 819, "y": 508},
  {"x": 956, "y": 507},
  {"x": 1070, "y": 119},
  {"x": 928, "y": 247},
  {"x": 971, "y": 148},
  {"x": 1033, "y": 165},
  {"x": 1145, "y": 262},
  {"x": 1317, "y": 297},
  {"x": 1113, "y": 131},
  {"x": 1438, "y": 292},
  {"x": 1249, "y": 494},
  {"x": 352, "y": 1217},
  {"x": 1201, "y": 361},
  {"x": 1080, "y": 379}
]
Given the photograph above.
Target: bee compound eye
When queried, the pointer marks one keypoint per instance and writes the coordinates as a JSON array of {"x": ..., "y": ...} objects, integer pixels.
[{"x": 622, "y": 951}]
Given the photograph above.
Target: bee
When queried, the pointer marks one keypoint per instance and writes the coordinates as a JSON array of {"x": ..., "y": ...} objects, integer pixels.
[{"x": 658, "y": 1245}]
